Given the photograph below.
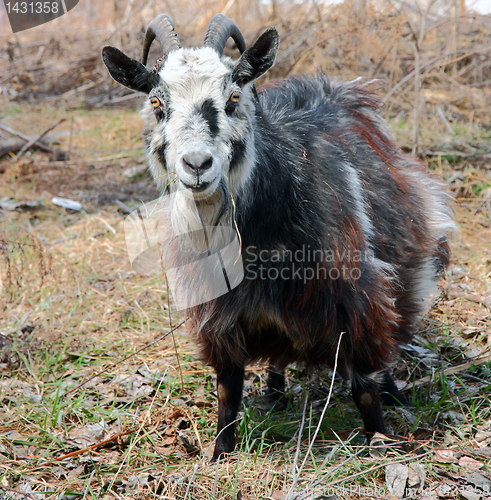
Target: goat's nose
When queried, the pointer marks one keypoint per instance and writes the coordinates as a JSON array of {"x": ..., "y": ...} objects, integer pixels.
[{"x": 197, "y": 162}]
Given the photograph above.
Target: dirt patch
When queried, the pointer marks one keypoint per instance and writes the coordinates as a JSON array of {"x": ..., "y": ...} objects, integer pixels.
[{"x": 94, "y": 185}]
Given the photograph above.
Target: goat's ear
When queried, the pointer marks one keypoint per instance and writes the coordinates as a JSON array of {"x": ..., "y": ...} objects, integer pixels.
[
  {"x": 258, "y": 58},
  {"x": 127, "y": 71}
]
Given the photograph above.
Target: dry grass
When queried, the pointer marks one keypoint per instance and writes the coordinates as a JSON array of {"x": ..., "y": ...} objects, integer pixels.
[
  {"x": 71, "y": 305},
  {"x": 373, "y": 39}
]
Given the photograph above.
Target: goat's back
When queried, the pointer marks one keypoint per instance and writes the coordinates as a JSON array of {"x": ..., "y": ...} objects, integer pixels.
[{"x": 330, "y": 192}]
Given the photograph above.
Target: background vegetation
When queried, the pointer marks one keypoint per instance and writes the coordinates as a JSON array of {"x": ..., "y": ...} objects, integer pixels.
[{"x": 84, "y": 411}]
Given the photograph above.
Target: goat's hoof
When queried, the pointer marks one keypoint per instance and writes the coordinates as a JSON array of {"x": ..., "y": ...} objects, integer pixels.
[
  {"x": 224, "y": 457},
  {"x": 221, "y": 453}
]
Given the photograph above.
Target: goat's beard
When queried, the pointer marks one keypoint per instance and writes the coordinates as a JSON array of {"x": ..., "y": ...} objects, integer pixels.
[{"x": 195, "y": 222}]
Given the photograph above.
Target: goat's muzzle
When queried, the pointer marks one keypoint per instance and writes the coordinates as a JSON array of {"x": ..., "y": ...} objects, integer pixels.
[
  {"x": 199, "y": 171},
  {"x": 197, "y": 163}
]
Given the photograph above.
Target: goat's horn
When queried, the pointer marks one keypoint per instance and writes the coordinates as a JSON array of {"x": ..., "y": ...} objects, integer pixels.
[
  {"x": 220, "y": 29},
  {"x": 161, "y": 28}
]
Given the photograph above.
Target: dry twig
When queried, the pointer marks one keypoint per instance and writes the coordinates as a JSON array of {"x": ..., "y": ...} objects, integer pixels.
[
  {"x": 21, "y": 153},
  {"x": 26, "y": 138}
]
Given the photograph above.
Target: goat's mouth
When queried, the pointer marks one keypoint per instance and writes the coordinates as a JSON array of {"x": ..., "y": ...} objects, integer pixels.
[
  {"x": 198, "y": 188},
  {"x": 201, "y": 189}
]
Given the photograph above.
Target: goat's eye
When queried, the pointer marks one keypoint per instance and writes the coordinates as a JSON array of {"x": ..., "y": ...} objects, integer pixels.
[
  {"x": 232, "y": 103},
  {"x": 155, "y": 102}
]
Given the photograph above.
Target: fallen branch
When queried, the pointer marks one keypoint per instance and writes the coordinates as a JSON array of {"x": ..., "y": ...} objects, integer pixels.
[
  {"x": 35, "y": 141},
  {"x": 14, "y": 145},
  {"x": 11, "y": 146},
  {"x": 435, "y": 60},
  {"x": 469, "y": 176},
  {"x": 25, "y": 138},
  {"x": 452, "y": 370},
  {"x": 92, "y": 447}
]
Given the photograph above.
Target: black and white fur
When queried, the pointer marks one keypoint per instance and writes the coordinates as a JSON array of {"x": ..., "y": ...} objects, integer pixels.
[{"x": 304, "y": 164}]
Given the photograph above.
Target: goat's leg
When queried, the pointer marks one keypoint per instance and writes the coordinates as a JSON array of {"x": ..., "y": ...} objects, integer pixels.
[
  {"x": 275, "y": 384},
  {"x": 229, "y": 390},
  {"x": 367, "y": 397},
  {"x": 391, "y": 395}
]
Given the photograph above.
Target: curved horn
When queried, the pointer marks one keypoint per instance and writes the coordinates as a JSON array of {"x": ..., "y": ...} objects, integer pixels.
[
  {"x": 161, "y": 28},
  {"x": 220, "y": 29}
]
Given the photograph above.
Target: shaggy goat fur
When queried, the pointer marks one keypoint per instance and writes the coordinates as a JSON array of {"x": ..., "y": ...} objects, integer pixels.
[{"x": 340, "y": 231}]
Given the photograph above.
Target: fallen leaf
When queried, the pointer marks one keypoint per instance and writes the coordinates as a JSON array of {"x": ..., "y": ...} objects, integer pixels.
[
  {"x": 470, "y": 495},
  {"x": 76, "y": 473},
  {"x": 188, "y": 442},
  {"x": 478, "y": 480},
  {"x": 416, "y": 477},
  {"x": 429, "y": 362},
  {"x": 454, "y": 416},
  {"x": 486, "y": 451},
  {"x": 395, "y": 477},
  {"x": 408, "y": 416},
  {"x": 278, "y": 495},
  {"x": 469, "y": 463},
  {"x": 378, "y": 446},
  {"x": 168, "y": 441},
  {"x": 12, "y": 435},
  {"x": 165, "y": 451},
  {"x": 88, "y": 434},
  {"x": 136, "y": 482},
  {"x": 444, "y": 456},
  {"x": 445, "y": 490},
  {"x": 486, "y": 426}
]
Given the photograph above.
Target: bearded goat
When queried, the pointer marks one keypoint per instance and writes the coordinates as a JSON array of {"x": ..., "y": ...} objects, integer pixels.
[{"x": 351, "y": 234}]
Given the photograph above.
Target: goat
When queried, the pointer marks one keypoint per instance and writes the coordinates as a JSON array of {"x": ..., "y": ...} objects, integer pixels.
[{"x": 305, "y": 171}]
